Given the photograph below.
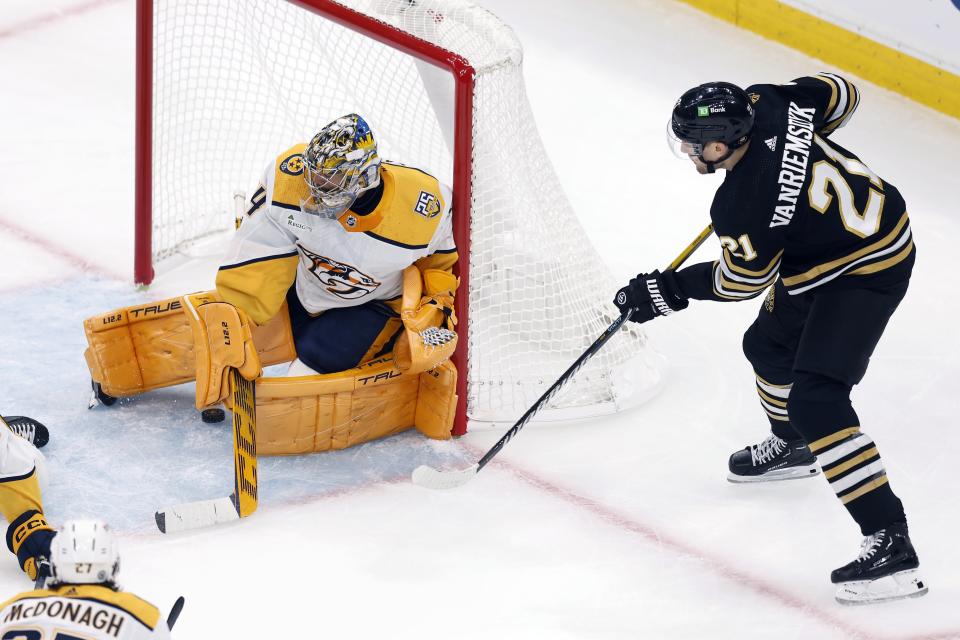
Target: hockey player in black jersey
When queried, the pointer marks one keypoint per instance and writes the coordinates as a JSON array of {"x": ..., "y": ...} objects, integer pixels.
[{"x": 804, "y": 219}]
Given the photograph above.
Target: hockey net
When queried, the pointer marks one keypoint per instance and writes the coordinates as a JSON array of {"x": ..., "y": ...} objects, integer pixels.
[{"x": 224, "y": 86}]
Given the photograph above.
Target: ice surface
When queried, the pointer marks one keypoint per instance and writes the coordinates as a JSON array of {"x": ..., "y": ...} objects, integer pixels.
[{"x": 616, "y": 528}]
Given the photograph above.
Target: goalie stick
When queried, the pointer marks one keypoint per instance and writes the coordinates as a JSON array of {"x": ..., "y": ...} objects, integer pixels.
[
  {"x": 243, "y": 501},
  {"x": 431, "y": 478}
]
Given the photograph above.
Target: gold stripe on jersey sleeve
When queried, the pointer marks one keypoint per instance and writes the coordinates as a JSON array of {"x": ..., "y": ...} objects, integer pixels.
[
  {"x": 839, "y": 262},
  {"x": 713, "y": 283},
  {"x": 731, "y": 285},
  {"x": 853, "y": 98},
  {"x": 833, "y": 95},
  {"x": 884, "y": 264},
  {"x": 837, "y": 436},
  {"x": 747, "y": 272}
]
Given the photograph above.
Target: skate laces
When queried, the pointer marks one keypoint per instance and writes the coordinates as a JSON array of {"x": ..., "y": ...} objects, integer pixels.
[
  {"x": 766, "y": 450},
  {"x": 870, "y": 545},
  {"x": 24, "y": 430}
]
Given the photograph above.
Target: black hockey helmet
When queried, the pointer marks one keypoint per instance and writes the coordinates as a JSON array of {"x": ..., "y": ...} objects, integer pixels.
[{"x": 713, "y": 112}]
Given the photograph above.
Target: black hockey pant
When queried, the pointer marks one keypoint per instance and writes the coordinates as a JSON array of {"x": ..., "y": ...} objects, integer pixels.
[{"x": 808, "y": 351}]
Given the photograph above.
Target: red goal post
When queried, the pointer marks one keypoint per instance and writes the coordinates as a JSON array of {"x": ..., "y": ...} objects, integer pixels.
[{"x": 178, "y": 39}]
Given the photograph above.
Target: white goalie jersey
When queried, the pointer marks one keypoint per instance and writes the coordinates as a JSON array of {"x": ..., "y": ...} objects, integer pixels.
[{"x": 354, "y": 259}]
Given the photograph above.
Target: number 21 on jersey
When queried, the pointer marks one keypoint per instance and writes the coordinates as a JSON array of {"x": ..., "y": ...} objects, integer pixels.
[
  {"x": 734, "y": 246},
  {"x": 825, "y": 175}
]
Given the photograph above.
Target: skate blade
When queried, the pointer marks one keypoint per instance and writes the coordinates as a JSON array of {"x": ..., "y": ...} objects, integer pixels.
[
  {"x": 791, "y": 473},
  {"x": 900, "y": 585}
]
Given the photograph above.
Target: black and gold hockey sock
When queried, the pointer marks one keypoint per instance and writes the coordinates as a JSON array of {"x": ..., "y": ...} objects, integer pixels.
[
  {"x": 773, "y": 399},
  {"x": 851, "y": 463}
]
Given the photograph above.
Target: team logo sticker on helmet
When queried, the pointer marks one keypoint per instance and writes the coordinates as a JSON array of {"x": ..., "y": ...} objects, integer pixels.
[
  {"x": 340, "y": 279},
  {"x": 292, "y": 165},
  {"x": 428, "y": 205}
]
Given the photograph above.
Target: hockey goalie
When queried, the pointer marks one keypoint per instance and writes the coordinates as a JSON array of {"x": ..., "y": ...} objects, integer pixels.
[{"x": 342, "y": 266}]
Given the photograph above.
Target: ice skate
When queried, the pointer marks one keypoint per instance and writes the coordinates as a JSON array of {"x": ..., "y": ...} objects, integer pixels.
[
  {"x": 29, "y": 429},
  {"x": 887, "y": 569},
  {"x": 773, "y": 459}
]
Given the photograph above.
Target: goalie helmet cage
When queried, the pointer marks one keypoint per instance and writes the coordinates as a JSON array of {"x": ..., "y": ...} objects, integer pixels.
[{"x": 225, "y": 86}]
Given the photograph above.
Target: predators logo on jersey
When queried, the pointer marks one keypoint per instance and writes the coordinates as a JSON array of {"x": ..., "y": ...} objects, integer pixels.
[
  {"x": 292, "y": 165},
  {"x": 340, "y": 279}
]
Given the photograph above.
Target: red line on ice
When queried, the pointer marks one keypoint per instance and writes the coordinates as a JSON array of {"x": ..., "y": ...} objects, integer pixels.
[
  {"x": 65, "y": 254},
  {"x": 53, "y": 17},
  {"x": 714, "y": 563},
  {"x": 652, "y": 535}
]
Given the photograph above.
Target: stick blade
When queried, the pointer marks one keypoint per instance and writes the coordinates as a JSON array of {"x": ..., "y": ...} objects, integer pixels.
[
  {"x": 195, "y": 515},
  {"x": 430, "y": 478}
]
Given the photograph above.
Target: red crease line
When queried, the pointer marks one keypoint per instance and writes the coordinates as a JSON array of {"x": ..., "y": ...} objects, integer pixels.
[
  {"x": 76, "y": 260},
  {"x": 41, "y": 21}
]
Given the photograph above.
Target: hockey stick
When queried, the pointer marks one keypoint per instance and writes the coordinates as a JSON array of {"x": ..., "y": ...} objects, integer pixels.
[
  {"x": 175, "y": 612},
  {"x": 243, "y": 501},
  {"x": 431, "y": 478}
]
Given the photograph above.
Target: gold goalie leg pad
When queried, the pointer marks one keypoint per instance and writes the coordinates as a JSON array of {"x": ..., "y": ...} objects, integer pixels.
[
  {"x": 335, "y": 411},
  {"x": 135, "y": 349}
]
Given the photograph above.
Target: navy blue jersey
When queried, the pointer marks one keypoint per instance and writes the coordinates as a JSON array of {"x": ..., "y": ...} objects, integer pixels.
[{"x": 799, "y": 206}]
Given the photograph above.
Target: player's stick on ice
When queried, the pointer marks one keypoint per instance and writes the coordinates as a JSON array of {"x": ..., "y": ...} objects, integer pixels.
[
  {"x": 243, "y": 501},
  {"x": 175, "y": 612},
  {"x": 431, "y": 478}
]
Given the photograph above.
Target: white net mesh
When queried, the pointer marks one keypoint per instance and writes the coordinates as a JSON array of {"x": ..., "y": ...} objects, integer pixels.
[{"x": 235, "y": 83}]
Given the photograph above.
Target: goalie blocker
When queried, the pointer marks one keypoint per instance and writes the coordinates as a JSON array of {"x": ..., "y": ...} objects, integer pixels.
[{"x": 197, "y": 337}]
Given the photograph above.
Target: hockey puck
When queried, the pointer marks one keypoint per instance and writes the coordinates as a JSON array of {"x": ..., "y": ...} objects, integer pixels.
[{"x": 213, "y": 416}]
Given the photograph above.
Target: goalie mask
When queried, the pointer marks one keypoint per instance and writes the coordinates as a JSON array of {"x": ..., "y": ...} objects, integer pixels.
[
  {"x": 339, "y": 164},
  {"x": 711, "y": 112},
  {"x": 84, "y": 552}
]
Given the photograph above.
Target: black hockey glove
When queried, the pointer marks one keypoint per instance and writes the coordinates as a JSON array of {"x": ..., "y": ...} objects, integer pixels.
[{"x": 651, "y": 294}]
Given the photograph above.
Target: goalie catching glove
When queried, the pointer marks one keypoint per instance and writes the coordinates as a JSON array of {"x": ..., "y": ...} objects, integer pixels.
[
  {"x": 651, "y": 295},
  {"x": 428, "y": 320}
]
